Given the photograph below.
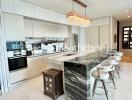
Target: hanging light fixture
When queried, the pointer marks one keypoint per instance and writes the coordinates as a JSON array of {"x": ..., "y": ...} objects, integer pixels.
[{"x": 77, "y": 19}]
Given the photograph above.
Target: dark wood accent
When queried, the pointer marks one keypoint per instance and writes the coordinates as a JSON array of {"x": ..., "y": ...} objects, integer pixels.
[
  {"x": 53, "y": 83},
  {"x": 118, "y": 35},
  {"x": 127, "y": 37},
  {"x": 80, "y": 3}
]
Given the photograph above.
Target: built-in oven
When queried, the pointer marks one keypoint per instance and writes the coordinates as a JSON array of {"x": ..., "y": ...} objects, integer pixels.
[{"x": 17, "y": 62}]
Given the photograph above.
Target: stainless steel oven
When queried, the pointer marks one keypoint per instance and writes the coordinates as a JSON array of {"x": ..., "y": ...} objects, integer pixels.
[{"x": 17, "y": 62}]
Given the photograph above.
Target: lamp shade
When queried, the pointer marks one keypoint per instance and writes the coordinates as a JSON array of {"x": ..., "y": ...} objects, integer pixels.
[{"x": 77, "y": 19}]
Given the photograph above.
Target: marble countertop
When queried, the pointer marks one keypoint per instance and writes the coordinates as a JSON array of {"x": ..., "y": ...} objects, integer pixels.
[
  {"x": 59, "y": 59},
  {"x": 87, "y": 59}
]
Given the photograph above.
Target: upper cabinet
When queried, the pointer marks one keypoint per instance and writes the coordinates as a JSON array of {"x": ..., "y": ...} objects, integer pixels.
[
  {"x": 7, "y": 6},
  {"x": 43, "y": 29},
  {"x": 23, "y": 8},
  {"x": 14, "y": 27},
  {"x": 45, "y": 14},
  {"x": 100, "y": 21},
  {"x": 28, "y": 26}
]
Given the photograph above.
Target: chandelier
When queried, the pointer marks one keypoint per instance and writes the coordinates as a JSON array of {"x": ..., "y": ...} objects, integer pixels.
[{"x": 78, "y": 19}]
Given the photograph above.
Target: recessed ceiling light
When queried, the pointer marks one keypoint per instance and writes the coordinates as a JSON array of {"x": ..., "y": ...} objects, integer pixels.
[
  {"x": 126, "y": 11},
  {"x": 128, "y": 16}
]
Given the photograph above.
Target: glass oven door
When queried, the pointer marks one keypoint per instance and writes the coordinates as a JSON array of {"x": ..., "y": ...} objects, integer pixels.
[{"x": 16, "y": 63}]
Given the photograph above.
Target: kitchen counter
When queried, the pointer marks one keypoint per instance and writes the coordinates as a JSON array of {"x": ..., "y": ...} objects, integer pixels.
[
  {"x": 77, "y": 75},
  {"x": 47, "y": 54},
  {"x": 59, "y": 59}
]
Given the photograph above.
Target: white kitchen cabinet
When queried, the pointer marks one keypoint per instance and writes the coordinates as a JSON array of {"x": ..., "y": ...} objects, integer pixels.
[
  {"x": 7, "y": 6},
  {"x": 48, "y": 15},
  {"x": 100, "y": 21},
  {"x": 23, "y": 8},
  {"x": 28, "y": 26},
  {"x": 43, "y": 29},
  {"x": 74, "y": 29},
  {"x": 19, "y": 75},
  {"x": 104, "y": 36},
  {"x": 93, "y": 36},
  {"x": 36, "y": 65},
  {"x": 14, "y": 27},
  {"x": 38, "y": 29},
  {"x": 98, "y": 36}
]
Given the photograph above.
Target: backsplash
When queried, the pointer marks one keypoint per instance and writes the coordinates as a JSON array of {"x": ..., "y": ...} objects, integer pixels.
[{"x": 45, "y": 45}]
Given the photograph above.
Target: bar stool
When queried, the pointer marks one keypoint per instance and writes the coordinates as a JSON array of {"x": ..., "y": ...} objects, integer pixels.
[
  {"x": 118, "y": 54},
  {"x": 101, "y": 76},
  {"x": 116, "y": 63},
  {"x": 108, "y": 67},
  {"x": 117, "y": 67}
]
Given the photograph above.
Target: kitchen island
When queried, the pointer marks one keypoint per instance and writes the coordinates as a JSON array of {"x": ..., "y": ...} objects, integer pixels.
[{"x": 77, "y": 75}]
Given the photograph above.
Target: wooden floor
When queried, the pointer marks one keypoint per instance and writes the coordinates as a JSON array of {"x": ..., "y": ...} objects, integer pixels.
[{"x": 127, "y": 58}]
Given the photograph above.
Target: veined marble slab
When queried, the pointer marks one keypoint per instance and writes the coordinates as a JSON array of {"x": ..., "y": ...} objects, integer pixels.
[{"x": 59, "y": 59}]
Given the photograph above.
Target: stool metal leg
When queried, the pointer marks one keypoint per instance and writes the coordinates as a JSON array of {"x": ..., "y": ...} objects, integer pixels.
[
  {"x": 116, "y": 69},
  {"x": 119, "y": 68},
  {"x": 94, "y": 87},
  {"x": 112, "y": 78},
  {"x": 106, "y": 92}
]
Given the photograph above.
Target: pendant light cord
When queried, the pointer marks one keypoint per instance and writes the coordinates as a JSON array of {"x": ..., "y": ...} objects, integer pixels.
[
  {"x": 79, "y": 4},
  {"x": 85, "y": 11},
  {"x": 73, "y": 5}
]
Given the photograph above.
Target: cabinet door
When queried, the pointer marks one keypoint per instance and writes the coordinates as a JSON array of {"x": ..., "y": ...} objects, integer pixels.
[
  {"x": 33, "y": 69},
  {"x": 104, "y": 36},
  {"x": 35, "y": 66},
  {"x": 28, "y": 26},
  {"x": 14, "y": 27},
  {"x": 23, "y": 8},
  {"x": 38, "y": 29},
  {"x": 17, "y": 76},
  {"x": 7, "y": 6},
  {"x": 93, "y": 36}
]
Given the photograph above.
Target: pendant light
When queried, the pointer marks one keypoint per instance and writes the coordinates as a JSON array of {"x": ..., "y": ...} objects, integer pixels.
[{"x": 78, "y": 19}]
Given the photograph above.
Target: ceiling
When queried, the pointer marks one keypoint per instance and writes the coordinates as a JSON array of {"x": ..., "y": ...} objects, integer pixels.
[{"x": 120, "y": 9}]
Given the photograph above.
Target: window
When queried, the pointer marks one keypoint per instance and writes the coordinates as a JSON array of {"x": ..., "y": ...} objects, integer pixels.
[{"x": 127, "y": 38}]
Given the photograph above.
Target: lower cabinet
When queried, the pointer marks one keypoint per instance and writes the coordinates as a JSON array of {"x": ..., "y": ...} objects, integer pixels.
[
  {"x": 36, "y": 65},
  {"x": 19, "y": 75}
]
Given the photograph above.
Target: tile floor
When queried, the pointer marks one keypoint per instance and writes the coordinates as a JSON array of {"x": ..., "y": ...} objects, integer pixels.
[{"x": 33, "y": 89}]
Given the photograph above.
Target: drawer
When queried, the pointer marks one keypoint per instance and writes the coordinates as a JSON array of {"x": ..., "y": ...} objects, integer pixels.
[{"x": 17, "y": 76}]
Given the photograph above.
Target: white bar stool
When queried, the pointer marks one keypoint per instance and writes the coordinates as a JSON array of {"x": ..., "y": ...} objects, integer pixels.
[
  {"x": 108, "y": 67},
  {"x": 116, "y": 63},
  {"x": 101, "y": 76}
]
